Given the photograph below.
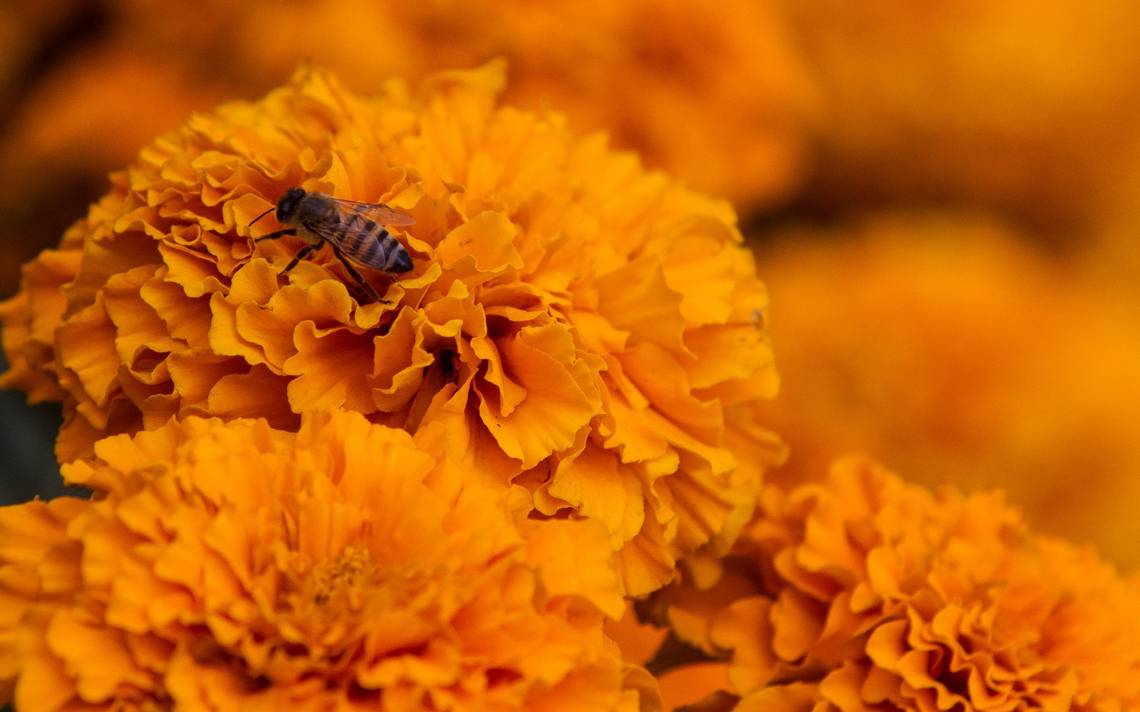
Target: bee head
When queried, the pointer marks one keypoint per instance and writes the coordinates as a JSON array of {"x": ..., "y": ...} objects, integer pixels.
[{"x": 288, "y": 204}]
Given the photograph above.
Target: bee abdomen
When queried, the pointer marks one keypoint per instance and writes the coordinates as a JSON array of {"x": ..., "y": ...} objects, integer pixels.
[
  {"x": 387, "y": 253},
  {"x": 375, "y": 247}
]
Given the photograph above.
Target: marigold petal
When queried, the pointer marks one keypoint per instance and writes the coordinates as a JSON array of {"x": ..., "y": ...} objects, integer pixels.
[
  {"x": 595, "y": 484},
  {"x": 44, "y": 685},
  {"x": 331, "y": 368},
  {"x": 689, "y": 684},
  {"x": 646, "y": 562},
  {"x": 793, "y": 697},
  {"x": 487, "y": 240},
  {"x": 573, "y": 559},
  {"x": 398, "y": 364},
  {"x": 557, "y": 404},
  {"x": 636, "y": 298},
  {"x": 99, "y": 657}
]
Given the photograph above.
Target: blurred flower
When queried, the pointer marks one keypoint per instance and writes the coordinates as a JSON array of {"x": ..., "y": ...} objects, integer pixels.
[
  {"x": 712, "y": 94},
  {"x": 23, "y": 26},
  {"x": 232, "y": 566},
  {"x": 945, "y": 347},
  {"x": 865, "y": 591},
  {"x": 592, "y": 329},
  {"x": 1111, "y": 257},
  {"x": 1009, "y": 104},
  {"x": 74, "y": 125}
]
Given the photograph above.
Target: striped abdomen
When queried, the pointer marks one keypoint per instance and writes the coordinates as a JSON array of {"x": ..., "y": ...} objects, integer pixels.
[{"x": 365, "y": 241}]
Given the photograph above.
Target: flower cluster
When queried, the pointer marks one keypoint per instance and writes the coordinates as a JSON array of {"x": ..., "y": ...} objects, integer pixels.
[
  {"x": 985, "y": 365},
  {"x": 526, "y": 469},
  {"x": 594, "y": 330},
  {"x": 232, "y": 566},
  {"x": 865, "y": 592}
]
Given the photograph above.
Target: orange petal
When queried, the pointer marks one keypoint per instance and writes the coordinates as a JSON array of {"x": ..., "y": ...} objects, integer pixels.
[
  {"x": 573, "y": 559},
  {"x": 486, "y": 241},
  {"x": 597, "y": 486},
  {"x": 97, "y": 656},
  {"x": 559, "y": 397},
  {"x": 636, "y": 298},
  {"x": 332, "y": 367}
]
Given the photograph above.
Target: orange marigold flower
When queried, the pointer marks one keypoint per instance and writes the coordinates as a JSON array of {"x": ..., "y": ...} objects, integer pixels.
[
  {"x": 987, "y": 365},
  {"x": 231, "y": 566},
  {"x": 1026, "y": 107},
  {"x": 867, "y": 592},
  {"x": 594, "y": 329}
]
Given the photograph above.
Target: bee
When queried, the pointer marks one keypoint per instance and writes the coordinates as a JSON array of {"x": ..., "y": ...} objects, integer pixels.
[{"x": 355, "y": 231}]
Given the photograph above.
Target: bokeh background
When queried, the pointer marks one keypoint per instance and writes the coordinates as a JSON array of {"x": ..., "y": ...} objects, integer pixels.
[{"x": 943, "y": 196}]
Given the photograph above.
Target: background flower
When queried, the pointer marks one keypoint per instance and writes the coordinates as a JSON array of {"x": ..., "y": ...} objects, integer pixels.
[
  {"x": 864, "y": 591},
  {"x": 1113, "y": 260},
  {"x": 947, "y": 347},
  {"x": 1008, "y": 105},
  {"x": 594, "y": 330},
  {"x": 226, "y": 565}
]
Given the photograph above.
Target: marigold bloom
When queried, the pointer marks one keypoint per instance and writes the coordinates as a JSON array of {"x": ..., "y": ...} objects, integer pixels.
[
  {"x": 948, "y": 348},
  {"x": 232, "y": 566},
  {"x": 864, "y": 591},
  {"x": 1110, "y": 257},
  {"x": 594, "y": 330},
  {"x": 1016, "y": 105}
]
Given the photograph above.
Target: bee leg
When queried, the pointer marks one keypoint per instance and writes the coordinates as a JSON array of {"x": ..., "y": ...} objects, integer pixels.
[
  {"x": 301, "y": 254},
  {"x": 278, "y": 234},
  {"x": 352, "y": 272}
]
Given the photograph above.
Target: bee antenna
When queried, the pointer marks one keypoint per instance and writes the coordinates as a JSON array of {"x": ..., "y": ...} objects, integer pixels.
[{"x": 271, "y": 209}]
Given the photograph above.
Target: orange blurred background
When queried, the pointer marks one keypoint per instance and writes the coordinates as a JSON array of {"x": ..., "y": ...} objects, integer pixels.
[{"x": 943, "y": 196}]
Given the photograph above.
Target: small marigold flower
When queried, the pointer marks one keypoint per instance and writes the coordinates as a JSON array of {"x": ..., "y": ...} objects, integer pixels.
[
  {"x": 987, "y": 366},
  {"x": 866, "y": 592},
  {"x": 231, "y": 566},
  {"x": 593, "y": 329}
]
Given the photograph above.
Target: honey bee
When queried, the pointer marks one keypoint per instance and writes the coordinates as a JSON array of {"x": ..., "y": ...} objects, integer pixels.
[{"x": 355, "y": 231}]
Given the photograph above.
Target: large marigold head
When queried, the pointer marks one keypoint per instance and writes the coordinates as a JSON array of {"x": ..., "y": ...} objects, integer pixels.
[
  {"x": 231, "y": 566},
  {"x": 595, "y": 329},
  {"x": 866, "y": 592}
]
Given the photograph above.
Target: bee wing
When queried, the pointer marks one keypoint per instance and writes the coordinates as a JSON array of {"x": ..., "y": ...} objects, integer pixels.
[{"x": 377, "y": 211}]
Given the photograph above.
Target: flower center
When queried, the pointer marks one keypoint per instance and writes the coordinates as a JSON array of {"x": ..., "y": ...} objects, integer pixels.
[{"x": 340, "y": 577}]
